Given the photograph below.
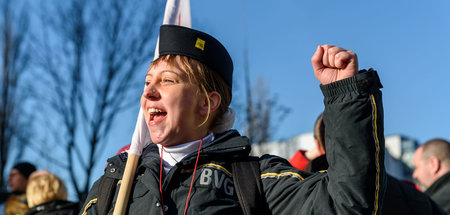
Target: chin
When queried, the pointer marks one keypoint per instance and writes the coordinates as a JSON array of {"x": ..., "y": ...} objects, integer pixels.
[
  {"x": 159, "y": 140},
  {"x": 155, "y": 140}
]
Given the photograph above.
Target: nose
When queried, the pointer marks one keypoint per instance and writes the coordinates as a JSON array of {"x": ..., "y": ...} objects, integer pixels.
[{"x": 150, "y": 92}]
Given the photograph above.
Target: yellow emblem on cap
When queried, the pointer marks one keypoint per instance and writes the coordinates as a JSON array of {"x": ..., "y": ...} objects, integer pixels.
[{"x": 200, "y": 44}]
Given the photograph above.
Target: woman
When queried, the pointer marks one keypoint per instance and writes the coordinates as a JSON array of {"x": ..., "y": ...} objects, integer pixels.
[
  {"x": 188, "y": 168},
  {"x": 46, "y": 194}
]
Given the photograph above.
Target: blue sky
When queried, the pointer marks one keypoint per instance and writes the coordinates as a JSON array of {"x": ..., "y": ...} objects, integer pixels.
[{"x": 408, "y": 42}]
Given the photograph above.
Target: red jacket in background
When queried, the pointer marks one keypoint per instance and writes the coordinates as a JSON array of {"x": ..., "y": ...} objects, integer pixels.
[{"x": 299, "y": 160}]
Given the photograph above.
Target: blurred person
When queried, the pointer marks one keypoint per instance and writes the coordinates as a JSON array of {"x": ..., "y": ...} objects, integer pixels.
[
  {"x": 188, "y": 166},
  {"x": 18, "y": 177},
  {"x": 17, "y": 180},
  {"x": 16, "y": 205},
  {"x": 313, "y": 160},
  {"x": 47, "y": 194},
  {"x": 432, "y": 170},
  {"x": 401, "y": 197}
]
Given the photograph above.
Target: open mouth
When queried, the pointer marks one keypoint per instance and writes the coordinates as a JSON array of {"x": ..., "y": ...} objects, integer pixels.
[{"x": 156, "y": 113}]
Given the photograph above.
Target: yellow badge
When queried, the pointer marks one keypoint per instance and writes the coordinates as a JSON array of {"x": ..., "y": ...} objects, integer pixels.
[{"x": 200, "y": 44}]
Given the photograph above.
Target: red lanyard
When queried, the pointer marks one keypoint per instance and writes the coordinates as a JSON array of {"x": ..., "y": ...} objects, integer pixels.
[{"x": 192, "y": 180}]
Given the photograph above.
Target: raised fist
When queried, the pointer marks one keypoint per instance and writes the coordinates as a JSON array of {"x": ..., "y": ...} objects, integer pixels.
[{"x": 332, "y": 63}]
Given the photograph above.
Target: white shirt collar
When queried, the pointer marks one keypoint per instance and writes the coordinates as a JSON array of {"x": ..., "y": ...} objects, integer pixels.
[{"x": 174, "y": 154}]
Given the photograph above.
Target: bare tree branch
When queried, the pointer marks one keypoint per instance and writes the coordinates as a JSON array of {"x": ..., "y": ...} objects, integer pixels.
[
  {"x": 14, "y": 62},
  {"x": 100, "y": 46}
]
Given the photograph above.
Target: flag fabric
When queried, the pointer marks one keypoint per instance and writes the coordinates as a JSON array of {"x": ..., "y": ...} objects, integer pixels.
[{"x": 177, "y": 12}]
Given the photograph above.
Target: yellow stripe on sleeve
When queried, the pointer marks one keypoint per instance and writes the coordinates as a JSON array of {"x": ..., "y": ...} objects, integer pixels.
[
  {"x": 374, "y": 117},
  {"x": 88, "y": 205},
  {"x": 283, "y": 174}
]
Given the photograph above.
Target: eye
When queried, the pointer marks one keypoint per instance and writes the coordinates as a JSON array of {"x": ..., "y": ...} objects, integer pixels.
[
  {"x": 168, "y": 80},
  {"x": 148, "y": 79}
]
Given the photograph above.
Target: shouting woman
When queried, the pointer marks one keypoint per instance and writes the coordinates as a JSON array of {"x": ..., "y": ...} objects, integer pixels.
[{"x": 190, "y": 165}]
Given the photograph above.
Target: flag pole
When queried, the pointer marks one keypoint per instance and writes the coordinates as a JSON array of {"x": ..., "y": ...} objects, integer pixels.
[
  {"x": 139, "y": 140},
  {"x": 177, "y": 12},
  {"x": 127, "y": 182}
]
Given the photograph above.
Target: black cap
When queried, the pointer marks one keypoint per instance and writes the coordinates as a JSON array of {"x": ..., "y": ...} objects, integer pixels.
[
  {"x": 25, "y": 168},
  {"x": 179, "y": 40}
]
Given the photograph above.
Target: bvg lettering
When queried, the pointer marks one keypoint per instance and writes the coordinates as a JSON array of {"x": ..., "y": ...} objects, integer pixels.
[{"x": 219, "y": 178}]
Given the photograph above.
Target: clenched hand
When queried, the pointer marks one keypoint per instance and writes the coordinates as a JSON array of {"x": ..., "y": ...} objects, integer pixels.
[{"x": 332, "y": 63}]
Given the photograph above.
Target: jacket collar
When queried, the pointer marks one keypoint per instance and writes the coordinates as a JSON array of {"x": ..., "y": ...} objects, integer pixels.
[
  {"x": 438, "y": 184},
  {"x": 227, "y": 145}
]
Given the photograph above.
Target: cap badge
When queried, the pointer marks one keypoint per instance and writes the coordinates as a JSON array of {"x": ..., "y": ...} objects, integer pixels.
[{"x": 200, "y": 44}]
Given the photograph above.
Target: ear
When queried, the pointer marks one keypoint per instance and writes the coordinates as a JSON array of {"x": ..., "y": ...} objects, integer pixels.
[
  {"x": 214, "y": 103},
  {"x": 435, "y": 164},
  {"x": 319, "y": 147}
]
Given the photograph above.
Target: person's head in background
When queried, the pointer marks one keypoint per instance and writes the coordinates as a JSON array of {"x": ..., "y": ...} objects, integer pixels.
[
  {"x": 18, "y": 176},
  {"x": 44, "y": 187},
  {"x": 319, "y": 139},
  {"x": 431, "y": 161}
]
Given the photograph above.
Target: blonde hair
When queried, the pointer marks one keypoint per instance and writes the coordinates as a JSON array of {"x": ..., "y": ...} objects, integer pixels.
[
  {"x": 44, "y": 188},
  {"x": 205, "y": 78},
  {"x": 16, "y": 204}
]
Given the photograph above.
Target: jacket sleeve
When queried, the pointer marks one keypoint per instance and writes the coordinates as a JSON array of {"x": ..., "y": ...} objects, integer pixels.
[
  {"x": 354, "y": 138},
  {"x": 355, "y": 181}
]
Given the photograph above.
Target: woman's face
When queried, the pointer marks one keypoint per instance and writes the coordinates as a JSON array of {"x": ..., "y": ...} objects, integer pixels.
[{"x": 171, "y": 106}]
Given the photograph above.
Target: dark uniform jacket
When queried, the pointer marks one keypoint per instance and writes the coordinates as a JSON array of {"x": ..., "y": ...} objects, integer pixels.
[
  {"x": 439, "y": 191},
  {"x": 354, "y": 183},
  {"x": 402, "y": 198}
]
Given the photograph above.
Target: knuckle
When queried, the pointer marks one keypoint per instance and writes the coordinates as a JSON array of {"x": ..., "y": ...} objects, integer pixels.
[{"x": 350, "y": 52}]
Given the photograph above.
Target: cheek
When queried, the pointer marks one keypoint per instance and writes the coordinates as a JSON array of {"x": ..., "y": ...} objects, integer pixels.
[
  {"x": 196, "y": 108},
  {"x": 186, "y": 101},
  {"x": 143, "y": 101},
  {"x": 424, "y": 173}
]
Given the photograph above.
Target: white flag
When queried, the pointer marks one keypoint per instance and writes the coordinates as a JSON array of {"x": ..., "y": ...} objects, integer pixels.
[{"x": 178, "y": 12}]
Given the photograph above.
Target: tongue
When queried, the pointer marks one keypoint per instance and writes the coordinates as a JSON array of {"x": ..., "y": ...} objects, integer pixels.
[{"x": 157, "y": 116}]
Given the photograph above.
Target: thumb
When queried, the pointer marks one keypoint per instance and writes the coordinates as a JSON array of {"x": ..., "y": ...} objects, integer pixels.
[{"x": 316, "y": 59}]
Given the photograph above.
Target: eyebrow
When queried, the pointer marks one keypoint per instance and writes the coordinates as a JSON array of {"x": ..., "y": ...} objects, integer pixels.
[{"x": 164, "y": 71}]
